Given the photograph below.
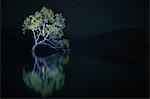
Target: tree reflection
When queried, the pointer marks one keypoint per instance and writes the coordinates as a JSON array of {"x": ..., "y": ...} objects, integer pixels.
[{"x": 47, "y": 74}]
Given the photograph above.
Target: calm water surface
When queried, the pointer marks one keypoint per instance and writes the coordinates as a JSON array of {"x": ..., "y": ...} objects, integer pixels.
[{"x": 86, "y": 75}]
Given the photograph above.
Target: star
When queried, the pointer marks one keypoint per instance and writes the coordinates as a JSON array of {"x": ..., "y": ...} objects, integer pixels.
[
  {"x": 89, "y": 20},
  {"x": 86, "y": 6},
  {"x": 6, "y": 3}
]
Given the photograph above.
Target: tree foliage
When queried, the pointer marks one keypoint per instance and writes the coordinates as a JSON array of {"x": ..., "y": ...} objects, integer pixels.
[{"x": 48, "y": 25}]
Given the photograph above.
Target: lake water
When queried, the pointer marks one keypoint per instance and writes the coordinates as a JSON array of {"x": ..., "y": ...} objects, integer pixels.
[{"x": 86, "y": 75}]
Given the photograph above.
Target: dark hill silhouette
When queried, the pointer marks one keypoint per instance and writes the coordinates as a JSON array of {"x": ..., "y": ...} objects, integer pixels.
[
  {"x": 125, "y": 46},
  {"x": 119, "y": 46}
]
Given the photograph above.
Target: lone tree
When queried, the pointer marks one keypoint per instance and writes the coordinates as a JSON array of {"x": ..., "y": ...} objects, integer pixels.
[{"x": 47, "y": 29}]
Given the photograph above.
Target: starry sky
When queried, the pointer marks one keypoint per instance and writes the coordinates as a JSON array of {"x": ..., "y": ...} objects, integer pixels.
[{"x": 83, "y": 17}]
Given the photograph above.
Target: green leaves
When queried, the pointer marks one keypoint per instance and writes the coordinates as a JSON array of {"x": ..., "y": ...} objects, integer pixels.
[
  {"x": 48, "y": 25},
  {"x": 45, "y": 17}
]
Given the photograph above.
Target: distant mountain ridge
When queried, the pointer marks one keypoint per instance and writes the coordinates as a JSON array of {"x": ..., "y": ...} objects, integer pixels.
[{"x": 126, "y": 45}]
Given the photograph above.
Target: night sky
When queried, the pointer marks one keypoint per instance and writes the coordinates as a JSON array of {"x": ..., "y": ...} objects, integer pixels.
[{"x": 83, "y": 17}]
